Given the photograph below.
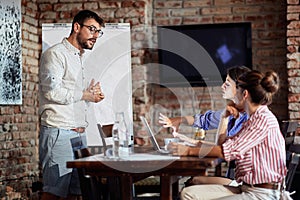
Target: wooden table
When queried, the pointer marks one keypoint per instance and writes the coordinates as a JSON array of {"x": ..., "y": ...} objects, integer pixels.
[{"x": 130, "y": 170}]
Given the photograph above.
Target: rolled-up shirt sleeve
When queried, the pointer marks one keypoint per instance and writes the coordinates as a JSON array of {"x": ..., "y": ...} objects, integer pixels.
[
  {"x": 208, "y": 120},
  {"x": 51, "y": 80},
  {"x": 229, "y": 151}
]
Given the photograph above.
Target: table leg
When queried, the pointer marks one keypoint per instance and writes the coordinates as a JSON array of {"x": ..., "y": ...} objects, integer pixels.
[
  {"x": 175, "y": 186},
  {"x": 166, "y": 187},
  {"x": 126, "y": 187}
]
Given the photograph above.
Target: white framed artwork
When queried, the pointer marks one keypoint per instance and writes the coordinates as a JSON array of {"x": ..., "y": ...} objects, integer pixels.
[{"x": 10, "y": 53}]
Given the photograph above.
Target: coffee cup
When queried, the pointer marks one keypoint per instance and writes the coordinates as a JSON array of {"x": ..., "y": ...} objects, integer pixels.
[{"x": 168, "y": 140}]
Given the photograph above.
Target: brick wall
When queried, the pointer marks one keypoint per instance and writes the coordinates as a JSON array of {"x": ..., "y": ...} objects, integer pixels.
[
  {"x": 19, "y": 124},
  {"x": 293, "y": 57},
  {"x": 268, "y": 20}
]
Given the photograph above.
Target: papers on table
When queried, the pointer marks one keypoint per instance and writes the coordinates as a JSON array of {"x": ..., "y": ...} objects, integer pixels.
[
  {"x": 135, "y": 163},
  {"x": 136, "y": 157},
  {"x": 146, "y": 156}
]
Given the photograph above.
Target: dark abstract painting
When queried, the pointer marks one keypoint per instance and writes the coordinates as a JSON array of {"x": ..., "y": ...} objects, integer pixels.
[{"x": 10, "y": 52}]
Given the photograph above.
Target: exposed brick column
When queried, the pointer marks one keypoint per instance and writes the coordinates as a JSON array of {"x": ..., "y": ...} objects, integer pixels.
[
  {"x": 19, "y": 123},
  {"x": 293, "y": 58}
]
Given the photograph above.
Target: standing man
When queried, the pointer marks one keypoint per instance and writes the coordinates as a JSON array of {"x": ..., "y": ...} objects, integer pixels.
[{"x": 65, "y": 94}]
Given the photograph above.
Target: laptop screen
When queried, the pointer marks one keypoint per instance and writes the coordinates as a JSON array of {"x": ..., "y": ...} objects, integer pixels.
[{"x": 150, "y": 133}]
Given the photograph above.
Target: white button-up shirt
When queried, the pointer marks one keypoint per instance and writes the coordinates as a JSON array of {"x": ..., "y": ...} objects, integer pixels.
[{"x": 62, "y": 83}]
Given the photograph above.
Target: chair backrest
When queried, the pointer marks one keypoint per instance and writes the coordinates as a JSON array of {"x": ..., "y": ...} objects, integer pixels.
[
  {"x": 293, "y": 159},
  {"x": 289, "y": 129},
  {"x": 104, "y": 132},
  {"x": 107, "y": 129},
  {"x": 81, "y": 153},
  {"x": 102, "y": 136}
]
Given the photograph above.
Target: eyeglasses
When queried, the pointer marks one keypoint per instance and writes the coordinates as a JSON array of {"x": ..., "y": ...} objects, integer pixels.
[{"x": 93, "y": 30}]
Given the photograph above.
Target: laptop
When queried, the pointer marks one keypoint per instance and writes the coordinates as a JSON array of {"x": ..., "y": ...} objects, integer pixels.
[{"x": 152, "y": 137}]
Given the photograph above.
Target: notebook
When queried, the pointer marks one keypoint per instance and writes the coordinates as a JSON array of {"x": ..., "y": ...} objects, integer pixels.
[{"x": 152, "y": 137}]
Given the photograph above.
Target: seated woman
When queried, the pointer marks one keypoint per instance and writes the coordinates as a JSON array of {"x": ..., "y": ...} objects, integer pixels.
[
  {"x": 211, "y": 120},
  {"x": 258, "y": 148}
]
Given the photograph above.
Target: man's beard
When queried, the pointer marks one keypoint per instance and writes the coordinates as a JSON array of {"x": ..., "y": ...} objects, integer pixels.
[{"x": 84, "y": 44}]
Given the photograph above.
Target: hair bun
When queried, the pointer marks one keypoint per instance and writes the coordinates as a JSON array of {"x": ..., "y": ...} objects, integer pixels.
[{"x": 270, "y": 82}]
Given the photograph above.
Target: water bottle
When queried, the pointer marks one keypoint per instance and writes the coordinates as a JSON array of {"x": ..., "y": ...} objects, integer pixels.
[
  {"x": 115, "y": 137},
  {"x": 124, "y": 136},
  {"x": 131, "y": 139}
]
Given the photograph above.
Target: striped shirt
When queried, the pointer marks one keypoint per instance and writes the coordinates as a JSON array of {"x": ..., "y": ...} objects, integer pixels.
[{"x": 259, "y": 149}]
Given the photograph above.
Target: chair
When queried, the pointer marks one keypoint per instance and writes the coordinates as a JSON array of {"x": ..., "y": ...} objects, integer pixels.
[
  {"x": 149, "y": 184},
  {"x": 292, "y": 167},
  {"x": 102, "y": 136},
  {"x": 288, "y": 129},
  {"x": 230, "y": 170},
  {"x": 91, "y": 187},
  {"x": 97, "y": 188}
]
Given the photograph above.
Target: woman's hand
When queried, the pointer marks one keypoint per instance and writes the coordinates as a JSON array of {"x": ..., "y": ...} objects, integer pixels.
[
  {"x": 170, "y": 122},
  {"x": 231, "y": 110},
  {"x": 178, "y": 149}
]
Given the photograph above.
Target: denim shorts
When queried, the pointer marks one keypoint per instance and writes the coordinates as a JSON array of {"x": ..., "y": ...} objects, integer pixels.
[
  {"x": 56, "y": 147},
  {"x": 61, "y": 186}
]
